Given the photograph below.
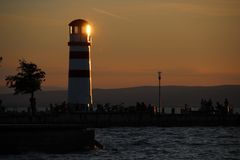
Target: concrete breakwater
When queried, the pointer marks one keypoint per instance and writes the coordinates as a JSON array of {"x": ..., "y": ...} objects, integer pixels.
[
  {"x": 51, "y": 138},
  {"x": 66, "y": 132},
  {"x": 96, "y": 120}
]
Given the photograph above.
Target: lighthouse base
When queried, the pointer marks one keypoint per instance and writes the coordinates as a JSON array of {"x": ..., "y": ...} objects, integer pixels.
[{"x": 78, "y": 107}]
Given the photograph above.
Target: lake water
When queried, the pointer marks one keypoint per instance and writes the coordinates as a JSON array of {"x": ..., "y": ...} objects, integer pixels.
[{"x": 155, "y": 143}]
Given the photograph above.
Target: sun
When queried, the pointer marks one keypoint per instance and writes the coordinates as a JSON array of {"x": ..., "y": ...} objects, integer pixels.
[{"x": 88, "y": 29}]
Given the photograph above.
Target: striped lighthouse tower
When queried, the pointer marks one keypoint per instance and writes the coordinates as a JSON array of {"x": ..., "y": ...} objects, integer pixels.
[{"x": 79, "y": 75}]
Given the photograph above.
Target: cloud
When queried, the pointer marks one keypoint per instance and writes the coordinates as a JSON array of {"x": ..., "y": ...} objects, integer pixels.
[
  {"x": 209, "y": 8},
  {"x": 109, "y": 14},
  {"x": 204, "y": 9}
]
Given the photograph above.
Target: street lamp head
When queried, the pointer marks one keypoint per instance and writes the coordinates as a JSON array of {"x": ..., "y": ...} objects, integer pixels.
[{"x": 159, "y": 75}]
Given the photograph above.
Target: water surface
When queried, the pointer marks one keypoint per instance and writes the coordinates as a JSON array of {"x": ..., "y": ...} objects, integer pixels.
[{"x": 155, "y": 143}]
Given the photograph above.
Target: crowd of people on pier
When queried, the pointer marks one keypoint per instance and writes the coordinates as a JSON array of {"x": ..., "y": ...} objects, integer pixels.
[
  {"x": 207, "y": 107},
  {"x": 105, "y": 108},
  {"x": 138, "y": 108}
]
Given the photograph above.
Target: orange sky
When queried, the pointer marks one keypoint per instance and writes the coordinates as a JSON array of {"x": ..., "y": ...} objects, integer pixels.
[{"x": 191, "y": 42}]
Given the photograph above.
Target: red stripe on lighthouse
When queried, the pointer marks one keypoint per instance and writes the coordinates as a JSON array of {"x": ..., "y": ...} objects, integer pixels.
[
  {"x": 79, "y": 55},
  {"x": 79, "y": 43},
  {"x": 79, "y": 73}
]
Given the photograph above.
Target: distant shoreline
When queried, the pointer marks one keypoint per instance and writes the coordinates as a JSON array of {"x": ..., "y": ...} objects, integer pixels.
[
  {"x": 5, "y": 90},
  {"x": 172, "y": 96}
]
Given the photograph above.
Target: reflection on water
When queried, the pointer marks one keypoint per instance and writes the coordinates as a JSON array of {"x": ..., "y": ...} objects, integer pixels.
[{"x": 155, "y": 143}]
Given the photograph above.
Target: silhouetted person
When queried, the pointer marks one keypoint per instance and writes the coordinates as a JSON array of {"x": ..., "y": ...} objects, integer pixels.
[
  {"x": 99, "y": 108},
  {"x": 63, "y": 107},
  {"x": 226, "y": 103},
  {"x": 173, "y": 110},
  {"x": 2, "y": 109},
  {"x": 186, "y": 107},
  {"x": 230, "y": 109},
  {"x": 226, "y": 106},
  {"x": 138, "y": 107},
  {"x": 220, "y": 108},
  {"x": 143, "y": 107},
  {"x": 51, "y": 108},
  {"x": 210, "y": 104},
  {"x": 149, "y": 108},
  {"x": 47, "y": 110},
  {"x": 202, "y": 102},
  {"x": 163, "y": 110}
]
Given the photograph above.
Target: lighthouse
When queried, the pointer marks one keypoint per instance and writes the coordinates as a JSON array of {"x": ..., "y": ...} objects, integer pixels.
[{"x": 79, "y": 75}]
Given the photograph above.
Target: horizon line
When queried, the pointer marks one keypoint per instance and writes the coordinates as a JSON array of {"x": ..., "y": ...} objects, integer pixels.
[{"x": 54, "y": 88}]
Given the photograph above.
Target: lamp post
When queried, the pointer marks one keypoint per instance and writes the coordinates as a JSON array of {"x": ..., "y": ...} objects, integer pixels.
[{"x": 159, "y": 91}]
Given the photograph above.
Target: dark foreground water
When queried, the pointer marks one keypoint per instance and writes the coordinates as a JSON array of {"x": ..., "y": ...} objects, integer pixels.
[{"x": 155, "y": 143}]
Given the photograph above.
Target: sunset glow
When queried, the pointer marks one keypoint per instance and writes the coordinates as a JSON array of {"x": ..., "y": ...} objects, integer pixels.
[{"x": 191, "y": 42}]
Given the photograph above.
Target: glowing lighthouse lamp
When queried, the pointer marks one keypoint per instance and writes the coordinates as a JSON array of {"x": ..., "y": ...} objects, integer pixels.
[{"x": 79, "y": 75}]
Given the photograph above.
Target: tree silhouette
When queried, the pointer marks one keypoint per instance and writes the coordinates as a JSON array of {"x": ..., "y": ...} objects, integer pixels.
[{"x": 28, "y": 80}]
